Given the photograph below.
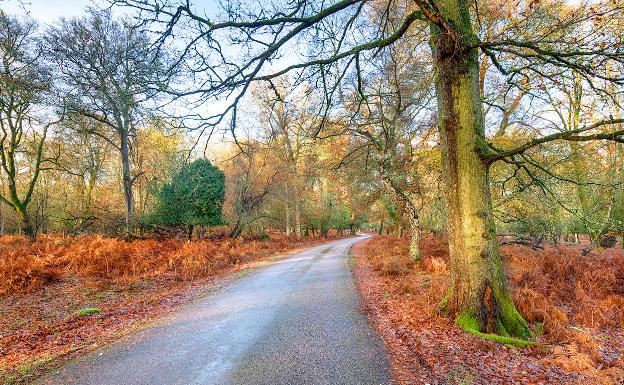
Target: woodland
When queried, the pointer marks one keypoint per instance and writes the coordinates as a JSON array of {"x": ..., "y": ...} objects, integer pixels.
[{"x": 148, "y": 147}]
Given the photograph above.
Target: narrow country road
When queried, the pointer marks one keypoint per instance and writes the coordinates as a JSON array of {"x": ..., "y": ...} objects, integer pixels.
[{"x": 293, "y": 322}]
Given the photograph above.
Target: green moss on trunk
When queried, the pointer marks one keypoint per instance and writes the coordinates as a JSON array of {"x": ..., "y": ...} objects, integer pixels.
[
  {"x": 478, "y": 286},
  {"x": 469, "y": 323}
]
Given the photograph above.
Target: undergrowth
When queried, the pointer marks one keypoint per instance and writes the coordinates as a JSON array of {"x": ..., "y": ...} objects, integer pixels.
[
  {"x": 28, "y": 266},
  {"x": 574, "y": 302}
]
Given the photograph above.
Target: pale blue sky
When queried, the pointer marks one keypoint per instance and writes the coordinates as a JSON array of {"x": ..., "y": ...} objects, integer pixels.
[{"x": 48, "y": 11}]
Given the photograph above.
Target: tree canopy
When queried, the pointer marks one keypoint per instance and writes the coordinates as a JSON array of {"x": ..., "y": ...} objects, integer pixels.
[{"x": 194, "y": 197}]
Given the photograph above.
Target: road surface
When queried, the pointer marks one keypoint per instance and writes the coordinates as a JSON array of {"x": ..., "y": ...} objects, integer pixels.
[{"x": 293, "y": 322}]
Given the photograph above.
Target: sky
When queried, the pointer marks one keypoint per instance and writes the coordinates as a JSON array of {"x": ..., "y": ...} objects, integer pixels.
[{"x": 46, "y": 11}]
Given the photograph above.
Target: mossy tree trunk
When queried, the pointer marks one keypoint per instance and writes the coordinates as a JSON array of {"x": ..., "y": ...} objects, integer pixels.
[
  {"x": 578, "y": 160},
  {"x": 26, "y": 225},
  {"x": 478, "y": 294}
]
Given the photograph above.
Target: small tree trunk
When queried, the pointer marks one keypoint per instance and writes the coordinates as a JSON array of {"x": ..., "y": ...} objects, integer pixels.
[
  {"x": 414, "y": 246},
  {"x": 26, "y": 225},
  {"x": 619, "y": 195},
  {"x": 298, "y": 216},
  {"x": 412, "y": 216},
  {"x": 127, "y": 181},
  {"x": 1, "y": 219},
  {"x": 236, "y": 230},
  {"x": 86, "y": 202},
  {"x": 381, "y": 228},
  {"x": 189, "y": 233},
  {"x": 287, "y": 221},
  {"x": 478, "y": 294}
]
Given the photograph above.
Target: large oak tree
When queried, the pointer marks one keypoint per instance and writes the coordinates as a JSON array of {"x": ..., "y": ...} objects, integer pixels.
[{"x": 111, "y": 74}]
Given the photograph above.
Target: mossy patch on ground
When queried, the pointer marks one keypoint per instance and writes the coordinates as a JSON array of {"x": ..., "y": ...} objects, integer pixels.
[{"x": 88, "y": 311}]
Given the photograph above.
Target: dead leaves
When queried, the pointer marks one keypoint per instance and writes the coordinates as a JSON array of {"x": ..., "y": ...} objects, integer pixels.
[
  {"x": 47, "y": 283},
  {"x": 555, "y": 290}
]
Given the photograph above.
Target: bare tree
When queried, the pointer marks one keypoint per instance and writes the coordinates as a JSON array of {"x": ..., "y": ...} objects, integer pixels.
[
  {"x": 111, "y": 73},
  {"x": 287, "y": 126}
]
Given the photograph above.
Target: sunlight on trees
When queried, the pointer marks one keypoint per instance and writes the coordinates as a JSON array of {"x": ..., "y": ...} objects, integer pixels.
[{"x": 472, "y": 120}]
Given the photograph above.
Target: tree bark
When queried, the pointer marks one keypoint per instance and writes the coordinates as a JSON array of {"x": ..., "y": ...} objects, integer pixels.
[
  {"x": 287, "y": 221},
  {"x": 127, "y": 180},
  {"x": 189, "y": 233},
  {"x": 2, "y": 218},
  {"x": 619, "y": 194},
  {"x": 577, "y": 160},
  {"x": 236, "y": 230},
  {"x": 26, "y": 225},
  {"x": 298, "y": 216},
  {"x": 478, "y": 296}
]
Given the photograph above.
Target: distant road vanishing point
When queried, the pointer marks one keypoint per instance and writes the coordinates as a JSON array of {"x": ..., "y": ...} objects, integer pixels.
[{"x": 296, "y": 321}]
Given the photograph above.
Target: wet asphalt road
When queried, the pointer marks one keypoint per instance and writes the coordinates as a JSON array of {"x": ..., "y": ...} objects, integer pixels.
[{"x": 293, "y": 322}]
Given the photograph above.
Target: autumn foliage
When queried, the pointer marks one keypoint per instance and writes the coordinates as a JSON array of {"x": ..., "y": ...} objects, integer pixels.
[
  {"x": 25, "y": 266},
  {"x": 559, "y": 286},
  {"x": 575, "y": 303},
  {"x": 47, "y": 286}
]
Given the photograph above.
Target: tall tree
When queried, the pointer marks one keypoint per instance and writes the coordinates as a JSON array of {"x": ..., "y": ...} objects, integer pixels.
[
  {"x": 24, "y": 81},
  {"x": 111, "y": 74},
  {"x": 287, "y": 126},
  {"x": 388, "y": 119}
]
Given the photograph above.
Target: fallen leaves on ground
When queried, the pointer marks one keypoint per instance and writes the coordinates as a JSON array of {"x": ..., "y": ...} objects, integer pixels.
[
  {"x": 60, "y": 297},
  {"x": 575, "y": 299}
]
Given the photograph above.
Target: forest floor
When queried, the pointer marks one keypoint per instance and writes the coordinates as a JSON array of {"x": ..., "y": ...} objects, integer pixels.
[
  {"x": 574, "y": 302},
  {"x": 61, "y": 298}
]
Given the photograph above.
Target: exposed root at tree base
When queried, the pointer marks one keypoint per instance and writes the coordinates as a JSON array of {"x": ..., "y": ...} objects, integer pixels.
[{"x": 471, "y": 325}]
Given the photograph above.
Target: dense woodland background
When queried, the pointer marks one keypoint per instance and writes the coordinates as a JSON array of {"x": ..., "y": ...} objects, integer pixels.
[
  {"x": 90, "y": 137},
  {"x": 89, "y": 145}
]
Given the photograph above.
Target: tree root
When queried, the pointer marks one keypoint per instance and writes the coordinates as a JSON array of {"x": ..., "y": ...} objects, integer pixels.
[{"x": 470, "y": 324}]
